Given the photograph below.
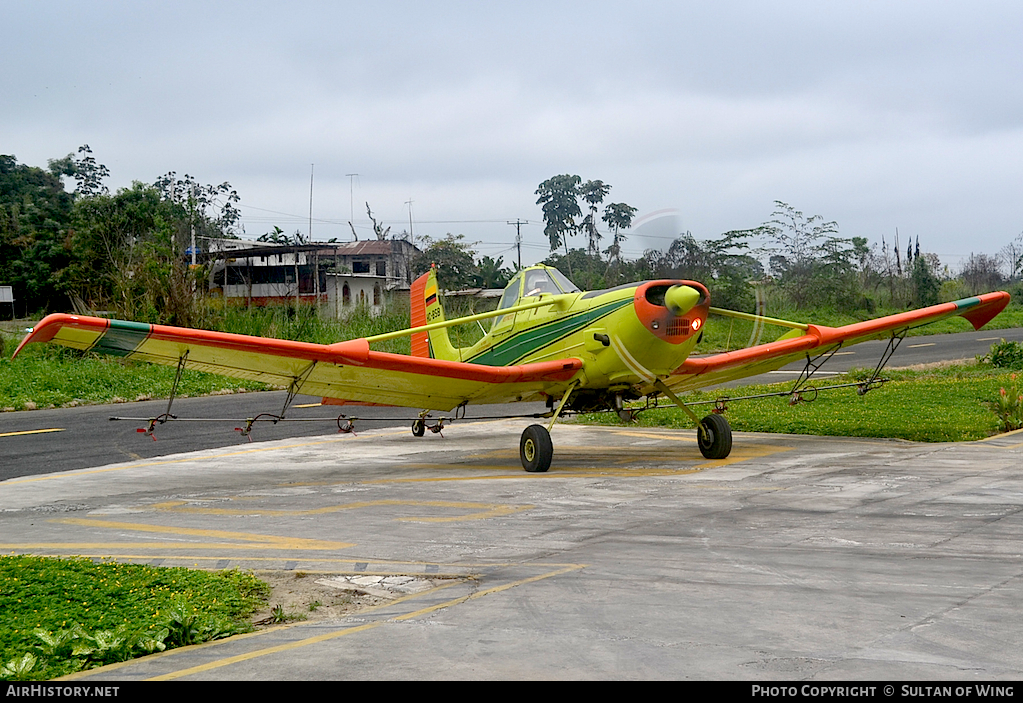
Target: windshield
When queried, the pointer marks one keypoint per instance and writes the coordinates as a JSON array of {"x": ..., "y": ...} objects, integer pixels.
[
  {"x": 547, "y": 281},
  {"x": 511, "y": 293},
  {"x": 539, "y": 282},
  {"x": 562, "y": 280}
]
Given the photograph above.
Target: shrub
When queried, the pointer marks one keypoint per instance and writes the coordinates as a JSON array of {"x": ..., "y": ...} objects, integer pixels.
[
  {"x": 1009, "y": 406},
  {"x": 1004, "y": 355}
]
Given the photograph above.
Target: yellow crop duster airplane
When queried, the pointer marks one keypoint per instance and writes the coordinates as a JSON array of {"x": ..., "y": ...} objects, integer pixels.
[{"x": 549, "y": 341}]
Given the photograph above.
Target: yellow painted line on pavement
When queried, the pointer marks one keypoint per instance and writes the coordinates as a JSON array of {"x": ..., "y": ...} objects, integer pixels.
[
  {"x": 15, "y": 434},
  {"x": 106, "y": 547},
  {"x": 1010, "y": 433},
  {"x": 915, "y": 346},
  {"x": 310, "y": 405},
  {"x": 482, "y": 510},
  {"x": 260, "y": 540},
  {"x": 360, "y": 628}
]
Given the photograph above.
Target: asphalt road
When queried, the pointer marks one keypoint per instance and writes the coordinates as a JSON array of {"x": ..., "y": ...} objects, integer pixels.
[{"x": 43, "y": 441}]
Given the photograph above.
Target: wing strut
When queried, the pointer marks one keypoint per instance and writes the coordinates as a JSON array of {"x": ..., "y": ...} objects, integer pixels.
[
  {"x": 812, "y": 366},
  {"x": 296, "y": 385},
  {"x": 875, "y": 378},
  {"x": 148, "y": 431}
]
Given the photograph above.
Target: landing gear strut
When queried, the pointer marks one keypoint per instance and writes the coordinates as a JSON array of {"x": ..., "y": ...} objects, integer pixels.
[
  {"x": 713, "y": 433},
  {"x": 535, "y": 447}
]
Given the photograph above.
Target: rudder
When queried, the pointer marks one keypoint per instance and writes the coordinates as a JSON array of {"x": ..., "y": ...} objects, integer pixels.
[{"x": 424, "y": 309}]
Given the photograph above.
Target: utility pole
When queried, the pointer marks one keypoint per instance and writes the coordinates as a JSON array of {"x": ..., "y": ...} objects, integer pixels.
[
  {"x": 298, "y": 276},
  {"x": 518, "y": 237},
  {"x": 411, "y": 236},
  {"x": 311, "y": 169},
  {"x": 351, "y": 192}
]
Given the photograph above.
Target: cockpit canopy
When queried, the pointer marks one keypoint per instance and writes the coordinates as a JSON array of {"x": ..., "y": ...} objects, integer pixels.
[{"x": 534, "y": 281}]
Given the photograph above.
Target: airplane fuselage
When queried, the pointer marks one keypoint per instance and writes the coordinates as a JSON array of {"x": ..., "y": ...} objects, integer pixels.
[{"x": 626, "y": 336}]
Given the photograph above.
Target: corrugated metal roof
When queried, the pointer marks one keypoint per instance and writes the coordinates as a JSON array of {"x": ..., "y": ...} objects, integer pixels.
[{"x": 372, "y": 246}]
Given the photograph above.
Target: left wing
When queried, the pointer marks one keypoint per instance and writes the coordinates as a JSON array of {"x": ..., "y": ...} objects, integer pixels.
[
  {"x": 720, "y": 368},
  {"x": 347, "y": 370}
]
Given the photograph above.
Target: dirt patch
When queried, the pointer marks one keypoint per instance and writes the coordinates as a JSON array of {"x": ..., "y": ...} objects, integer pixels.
[{"x": 298, "y": 595}]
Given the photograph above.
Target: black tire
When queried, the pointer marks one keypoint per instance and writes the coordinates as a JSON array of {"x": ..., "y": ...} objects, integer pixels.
[
  {"x": 418, "y": 428},
  {"x": 536, "y": 449},
  {"x": 714, "y": 437}
]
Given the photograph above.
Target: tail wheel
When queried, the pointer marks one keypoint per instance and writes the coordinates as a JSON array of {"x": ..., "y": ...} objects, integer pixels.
[
  {"x": 714, "y": 437},
  {"x": 536, "y": 449},
  {"x": 418, "y": 428}
]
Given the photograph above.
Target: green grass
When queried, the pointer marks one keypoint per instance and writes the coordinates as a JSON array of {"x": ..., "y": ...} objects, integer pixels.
[
  {"x": 71, "y": 614},
  {"x": 951, "y": 404},
  {"x": 47, "y": 376}
]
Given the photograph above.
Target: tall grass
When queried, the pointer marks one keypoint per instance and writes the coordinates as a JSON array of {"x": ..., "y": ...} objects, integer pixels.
[{"x": 308, "y": 325}]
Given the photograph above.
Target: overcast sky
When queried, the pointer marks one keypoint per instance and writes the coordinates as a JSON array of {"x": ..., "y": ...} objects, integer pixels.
[{"x": 879, "y": 115}]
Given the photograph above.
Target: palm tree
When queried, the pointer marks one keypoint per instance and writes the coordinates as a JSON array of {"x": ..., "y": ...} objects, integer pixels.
[
  {"x": 593, "y": 192},
  {"x": 558, "y": 196},
  {"x": 618, "y": 216}
]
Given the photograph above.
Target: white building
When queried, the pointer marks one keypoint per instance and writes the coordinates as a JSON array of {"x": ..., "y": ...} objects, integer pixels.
[{"x": 337, "y": 277}]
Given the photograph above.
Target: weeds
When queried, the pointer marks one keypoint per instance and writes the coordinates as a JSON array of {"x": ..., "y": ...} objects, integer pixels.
[
  {"x": 64, "y": 615},
  {"x": 279, "y": 616},
  {"x": 1004, "y": 355},
  {"x": 1008, "y": 406}
]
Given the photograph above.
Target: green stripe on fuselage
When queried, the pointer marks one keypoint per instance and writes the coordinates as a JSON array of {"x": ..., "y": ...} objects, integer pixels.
[
  {"x": 122, "y": 338},
  {"x": 532, "y": 340}
]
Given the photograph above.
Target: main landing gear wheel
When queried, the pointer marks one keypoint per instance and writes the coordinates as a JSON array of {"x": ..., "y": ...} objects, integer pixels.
[
  {"x": 536, "y": 449},
  {"x": 714, "y": 437},
  {"x": 418, "y": 428}
]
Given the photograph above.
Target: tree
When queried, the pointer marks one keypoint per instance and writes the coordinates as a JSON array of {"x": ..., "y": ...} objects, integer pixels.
[
  {"x": 378, "y": 229},
  {"x": 455, "y": 261},
  {"x": 926, "y": 286},
  {"x": 277, "y": 236},
  {"x": 120, "y": 247},
  {"x": 617, "y": 216},
  {"x": 1012, "y": 255},
  {"x": 206, "y": 210},
  {"x": 558, "y": 196},
  {"x": 35, "y": 212},
  {"x": 491, "y": 274},
  {"x": 814, "y": 266},
  {"x": 593, "y": 194},
  {"x": 587, "y": 270},
  {"x": 88, "y": 172},
  {"x": 980, "y": 274},
  {"x": 723, "y": 265}
]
